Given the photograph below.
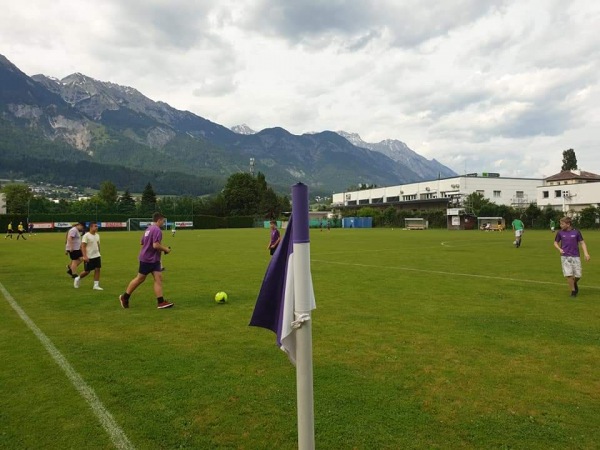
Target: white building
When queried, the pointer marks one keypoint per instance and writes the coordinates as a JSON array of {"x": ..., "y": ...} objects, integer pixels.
[
  {"x": 570, "y": 191},
  {"x": 2, "y": 203},
  {"x": 516, "y": 192}
]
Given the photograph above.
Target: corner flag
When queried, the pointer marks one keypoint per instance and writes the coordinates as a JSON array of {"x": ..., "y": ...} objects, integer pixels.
[
  {"x": 275, "y": 307},
  {"x": 284, "y": 305}
]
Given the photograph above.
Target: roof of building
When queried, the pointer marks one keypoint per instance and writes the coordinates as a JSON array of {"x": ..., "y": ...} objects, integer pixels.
[{"x": 574, "y": 175}]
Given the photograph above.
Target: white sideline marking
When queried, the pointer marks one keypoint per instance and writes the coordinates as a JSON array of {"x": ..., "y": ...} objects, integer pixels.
[
  {"x": 441, "y": 272},
  {"x": 116, "y": 434}
]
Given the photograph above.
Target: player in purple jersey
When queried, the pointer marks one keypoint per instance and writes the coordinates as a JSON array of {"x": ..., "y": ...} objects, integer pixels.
[
  {"x": 152, "y": 250},
  {"x": 567, "y": 242},
  {"x": 275, "y": 238}
]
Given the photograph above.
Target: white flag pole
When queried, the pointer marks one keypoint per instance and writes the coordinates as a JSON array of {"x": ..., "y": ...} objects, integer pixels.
[{"x": 304, "y": 299}]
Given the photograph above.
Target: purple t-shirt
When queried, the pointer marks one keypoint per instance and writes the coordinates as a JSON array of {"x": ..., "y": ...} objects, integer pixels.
[
  {"x": 148, "y": 253},
  {"x": 274, "y": 235},
  {"x": 569, "y": 241}
]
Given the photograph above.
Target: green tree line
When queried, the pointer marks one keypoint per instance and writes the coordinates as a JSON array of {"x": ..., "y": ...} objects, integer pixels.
[{"x": 243, "y": 195}]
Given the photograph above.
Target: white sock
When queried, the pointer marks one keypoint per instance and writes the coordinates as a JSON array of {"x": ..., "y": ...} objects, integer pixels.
[{"x": 96, "y": 283}]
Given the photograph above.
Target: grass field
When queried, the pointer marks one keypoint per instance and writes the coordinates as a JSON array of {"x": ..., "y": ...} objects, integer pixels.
[{"x": 422, "y": 339}]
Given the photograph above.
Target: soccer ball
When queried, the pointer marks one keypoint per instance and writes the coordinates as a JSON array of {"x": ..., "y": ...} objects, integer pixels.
[
  {"x": 221, "y": 297},
  {"x": 514, "y": 242}
]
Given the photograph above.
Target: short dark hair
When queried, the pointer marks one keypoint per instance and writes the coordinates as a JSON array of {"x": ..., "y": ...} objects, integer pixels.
[
  {"x": 274, "y": 222},
  {"x": 157, "y": 216}
]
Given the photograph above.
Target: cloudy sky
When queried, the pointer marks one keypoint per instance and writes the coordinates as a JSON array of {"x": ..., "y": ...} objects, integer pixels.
[{"x": 480, "y": 85}]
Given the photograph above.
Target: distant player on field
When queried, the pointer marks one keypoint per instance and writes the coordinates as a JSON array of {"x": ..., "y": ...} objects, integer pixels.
[
  {"x": 21, "y": 231},
  {"x": 9, "y": 230},
  {"x": 519, "y": 228},
  {"x": 90, "y": 249},
  {"x": 173, "y": 229},
  {"x": 275, "y": 238},
  {"x": 567, "y": 241},
  {"x": 73, "y": 248}
]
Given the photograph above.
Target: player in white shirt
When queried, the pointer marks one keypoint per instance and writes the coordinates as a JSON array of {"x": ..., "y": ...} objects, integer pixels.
[{"x": 90, "y": 247}]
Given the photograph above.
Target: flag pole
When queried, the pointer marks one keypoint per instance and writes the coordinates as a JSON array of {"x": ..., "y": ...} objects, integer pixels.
[{"x": 302, "y": 308}]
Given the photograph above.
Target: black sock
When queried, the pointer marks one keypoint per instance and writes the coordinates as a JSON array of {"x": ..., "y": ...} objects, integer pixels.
[
  {"x": 126, "y": 296},
  {"x": 160, "y": 299}
]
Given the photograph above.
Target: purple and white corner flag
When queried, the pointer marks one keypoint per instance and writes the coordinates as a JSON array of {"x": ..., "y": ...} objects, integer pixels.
[{"x": 277, "y": 306}]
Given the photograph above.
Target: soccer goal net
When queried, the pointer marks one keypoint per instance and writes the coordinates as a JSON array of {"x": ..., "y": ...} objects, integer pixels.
[
  {"x": 415, "y": 223},
  {"x": 138, "y": 223}
]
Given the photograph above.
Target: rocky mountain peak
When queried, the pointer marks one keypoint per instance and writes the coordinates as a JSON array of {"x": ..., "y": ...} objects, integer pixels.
[{"x": 242, "y": 129}]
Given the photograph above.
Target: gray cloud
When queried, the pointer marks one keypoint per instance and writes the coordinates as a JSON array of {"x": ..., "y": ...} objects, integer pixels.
[{"x": 347, "y": 22}]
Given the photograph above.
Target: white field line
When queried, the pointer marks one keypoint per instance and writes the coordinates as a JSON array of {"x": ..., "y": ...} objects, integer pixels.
[
  {"x": 454, "y": 274},
  {"x": 117, "y": 436}
]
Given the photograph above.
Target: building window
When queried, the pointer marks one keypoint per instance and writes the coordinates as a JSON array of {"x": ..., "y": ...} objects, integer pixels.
[
  {"x": 497, "y": 194},
  {"x": 520, "y": 194},
  {"x": 393, "y": 199},
  {"x": 558, "y": 193},
  {"x": 481, "y": 192},
  {"x": 545, "y": 194}
]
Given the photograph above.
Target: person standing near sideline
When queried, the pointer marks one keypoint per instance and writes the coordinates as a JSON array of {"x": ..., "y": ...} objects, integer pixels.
[
  {"x": 173, "y": 229},
  {"x": 9, "y": 230},
  {"x": 275, "y": 238},
  {"x": 552, "y": 225},
  {"x": 519, "y": 228},
  {"x": 90, "y": 249},
  {"x": 149, "y": 258},
  {"x": 21, "y": 230},
  {"x": 73, "y": 248},
  {"x": 567, "y": 241}
]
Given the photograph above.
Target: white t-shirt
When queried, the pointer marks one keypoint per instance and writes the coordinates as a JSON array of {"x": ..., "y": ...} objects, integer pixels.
[
  {"x": 75, "y": 239},
  {"x": 92, "y": 244}
]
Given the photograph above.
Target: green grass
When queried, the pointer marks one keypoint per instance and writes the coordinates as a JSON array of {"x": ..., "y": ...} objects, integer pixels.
[{"x": 421, "y": 339}]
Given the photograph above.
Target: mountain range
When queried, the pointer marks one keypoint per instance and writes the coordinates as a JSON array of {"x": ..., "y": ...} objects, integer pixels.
[{"x": 82, "y": 131}]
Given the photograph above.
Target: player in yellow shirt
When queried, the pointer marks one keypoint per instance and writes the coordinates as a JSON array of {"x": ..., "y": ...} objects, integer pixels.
[
  {"x": 21, "y": 230},
  {"x": 9, "y": 231}
]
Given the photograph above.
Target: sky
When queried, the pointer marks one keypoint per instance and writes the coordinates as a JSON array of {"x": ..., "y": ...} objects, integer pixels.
[{"x": 479, "y": 85}]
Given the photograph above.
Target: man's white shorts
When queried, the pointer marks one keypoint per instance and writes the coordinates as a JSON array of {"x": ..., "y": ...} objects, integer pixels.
[
  {"x": 518, "y": 233},
  {"x": 571, "y": 266}
]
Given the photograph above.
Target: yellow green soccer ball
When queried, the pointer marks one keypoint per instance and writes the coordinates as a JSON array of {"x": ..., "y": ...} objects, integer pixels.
[{"x": 221, "y": 297}]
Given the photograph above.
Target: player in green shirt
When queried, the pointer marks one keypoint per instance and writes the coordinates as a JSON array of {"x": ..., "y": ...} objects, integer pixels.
[{"x": 519, "y": 228}]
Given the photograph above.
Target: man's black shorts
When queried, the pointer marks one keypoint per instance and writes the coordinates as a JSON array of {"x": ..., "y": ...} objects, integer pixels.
[
  {"x": 146, "y": 268},
  {"x": 94, "y": 263},
  {"x": 75, "y": 255}
]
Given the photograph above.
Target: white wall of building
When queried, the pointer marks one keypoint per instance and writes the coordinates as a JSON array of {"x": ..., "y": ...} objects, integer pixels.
[
  {"x": 2, "y": 203},
  {"x": 569, "y": 197},
  {"x": 502, "y": 191}
]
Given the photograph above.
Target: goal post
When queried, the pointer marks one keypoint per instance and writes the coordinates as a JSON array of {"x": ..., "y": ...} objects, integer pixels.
[{"x": 138, "y": 223}]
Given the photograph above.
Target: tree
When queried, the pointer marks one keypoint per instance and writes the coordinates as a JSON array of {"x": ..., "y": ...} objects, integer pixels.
[
  {"x": 148, "y": 204},
  {"x": 270, "y": 205},
  {"x": 126, "y": 203},
  {"x": 569, "y": 160},
  {"x": 108, "y": 193},
  {"x": 242, "y": 194},
  {"x": 17, "y": 198},
  {"x": 476, "y": 202}
]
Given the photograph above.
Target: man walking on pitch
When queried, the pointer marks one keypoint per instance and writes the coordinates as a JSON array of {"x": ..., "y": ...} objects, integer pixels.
[
  {"x": 9, "y": 230},
  {"x": 90, "y": 249},
  {"x": 567, "y": 242},
  {"x": 21, "y": 230},
  {"x": 275, "y": 238},
  {"x": 519, "y": 228},
  {"x": 149, "y": 259},
  {"x": 73, "y": 248}
]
